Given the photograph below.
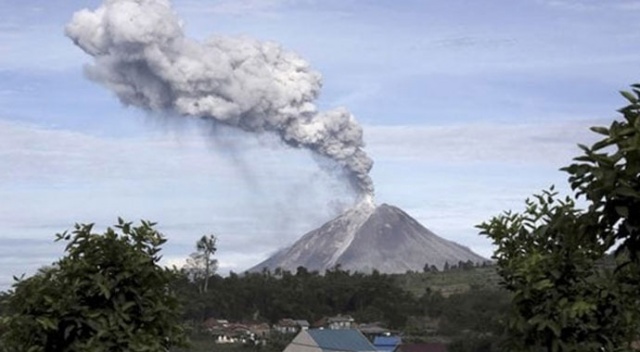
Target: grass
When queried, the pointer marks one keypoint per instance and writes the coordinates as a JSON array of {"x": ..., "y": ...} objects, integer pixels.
[{"x": 449, "y": 282}]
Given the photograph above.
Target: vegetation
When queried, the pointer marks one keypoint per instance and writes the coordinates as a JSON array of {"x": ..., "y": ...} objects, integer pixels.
[
  {"x": 469, "y": 313},
  {"x": 106, "y": 294},
  {"x": 100, "y": 294},
  {"x": 447, "y": 282},
  {"x": 201, "y": 265},
  {"x": 306, "y": 295},
  {"x": 549, "y": 255}
]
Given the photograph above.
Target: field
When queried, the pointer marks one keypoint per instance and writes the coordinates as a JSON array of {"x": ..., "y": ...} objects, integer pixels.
[{"x": 450, "y": 281}]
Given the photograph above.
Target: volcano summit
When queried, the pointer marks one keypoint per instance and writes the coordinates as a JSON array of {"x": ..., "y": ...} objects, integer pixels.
[{"x": 367, "y": 237}]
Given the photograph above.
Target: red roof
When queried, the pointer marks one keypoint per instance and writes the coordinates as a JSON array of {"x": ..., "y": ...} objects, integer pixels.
[{"x": 422, "y": 347}]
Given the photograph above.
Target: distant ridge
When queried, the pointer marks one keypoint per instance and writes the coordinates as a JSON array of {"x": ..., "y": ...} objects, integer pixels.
[{"x": 367, "y": 237}]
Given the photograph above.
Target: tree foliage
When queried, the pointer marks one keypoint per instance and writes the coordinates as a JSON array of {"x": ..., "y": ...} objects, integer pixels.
[
  {"x": 107, "y": 293},
  {"x": 549, "y": 256},
  {"x": 608, "y": 177},
  {"x": 269, "y": 297},
  {"x": 562, "y": 300},
  {"x": 383, "y": 298}
]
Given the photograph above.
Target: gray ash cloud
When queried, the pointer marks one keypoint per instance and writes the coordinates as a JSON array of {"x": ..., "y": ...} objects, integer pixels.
[{"x": 142, "y": 55}]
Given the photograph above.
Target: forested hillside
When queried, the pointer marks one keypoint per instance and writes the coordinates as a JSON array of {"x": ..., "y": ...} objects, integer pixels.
[{"x": 461, "y": 304}]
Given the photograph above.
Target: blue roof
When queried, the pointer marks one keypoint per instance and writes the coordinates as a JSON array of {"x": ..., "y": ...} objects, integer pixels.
[
  {"x": 340, "y": 340},
  {"x": 386, "y": 341}
]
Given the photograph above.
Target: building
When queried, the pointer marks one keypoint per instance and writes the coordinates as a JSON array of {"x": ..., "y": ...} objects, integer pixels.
[
  {"x": 302, "y": 324},
  {"x": 371, "y": 330},
  {"x": 386, "y": 343},
  {"x": 327, "y": 340},
  {"x": 341, "y": 322},
  {"x": 422, "y": 347},
  {"x": 337, "y": 322},
  {"x": 259, "y": 330},
  {"x": 232, "y": 333},
  {"x": 290, "y": 326}
]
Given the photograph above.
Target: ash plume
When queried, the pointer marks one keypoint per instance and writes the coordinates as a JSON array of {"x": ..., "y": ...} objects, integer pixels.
[{"x": 142, "y": 54}]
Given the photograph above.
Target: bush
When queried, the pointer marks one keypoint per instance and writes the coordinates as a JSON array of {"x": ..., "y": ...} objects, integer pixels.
[{"x": 107, "y": 293}]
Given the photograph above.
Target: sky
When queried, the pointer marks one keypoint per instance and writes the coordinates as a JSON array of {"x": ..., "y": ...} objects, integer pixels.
[{"x": 467, "y": 109}]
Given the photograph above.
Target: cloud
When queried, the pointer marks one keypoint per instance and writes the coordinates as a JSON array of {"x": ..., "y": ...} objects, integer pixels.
[
  {"x": 593, "y": 5},
  {"x": 628, "y": 6},
  {"x": 550, "y": 143},
  {"x": 50, "y": 179},
  {"x": 235, "y": 7},
  {"x": 142, "y": 55},
  {"x": 453, "y": 177},
  {"x": 490, "y": 42},
  {"x": 459, "y": 176},
  {"x": 31, "y": 38}
]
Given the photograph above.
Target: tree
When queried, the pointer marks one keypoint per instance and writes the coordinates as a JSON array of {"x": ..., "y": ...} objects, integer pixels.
[
  {"x": 201, "y": 264},
  {"x": 549, "y": 256},
  {"x": 561, "y": 300},
  {"x": 107, "y": 293},
  {"x": 608, "y": 176}
]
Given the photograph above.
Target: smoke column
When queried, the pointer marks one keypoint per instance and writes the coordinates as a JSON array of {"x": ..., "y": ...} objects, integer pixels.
[{"x": 141, "y": 54}]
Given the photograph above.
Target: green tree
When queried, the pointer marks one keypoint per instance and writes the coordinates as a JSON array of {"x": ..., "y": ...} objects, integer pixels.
[
  {"x": 561, "y": 300},
  {"x": 107, "y": 293},
  {"x": 549, "y": 256},
  {"x": 608, "y": 176},
  {"x": 201, "y": 264}
]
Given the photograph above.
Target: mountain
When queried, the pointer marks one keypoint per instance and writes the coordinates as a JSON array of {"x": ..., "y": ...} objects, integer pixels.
[{"x": 367, "y": 237}]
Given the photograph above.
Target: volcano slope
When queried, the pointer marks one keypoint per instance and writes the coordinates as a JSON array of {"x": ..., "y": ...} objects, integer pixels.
[{"x": 367, "y": 237}]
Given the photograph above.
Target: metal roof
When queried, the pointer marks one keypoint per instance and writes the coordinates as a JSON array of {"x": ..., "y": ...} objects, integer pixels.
[
  {"x": 302, "y": 323},
  {"x": 340, "y": 340},
  {"x": 386, "y": 341}
]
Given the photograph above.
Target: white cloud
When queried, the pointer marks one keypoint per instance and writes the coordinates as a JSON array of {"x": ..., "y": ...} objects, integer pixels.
[
  {"x": 257, "y": 199},
  {"x": 19, "y": 51},
  {"x": 593, "y": 5},
  {"x": 541, "y": 143},
  {"x": 451, "y": 178},
  {"x": 52, "y": 178},
  {"x": 237, "y": 7}
]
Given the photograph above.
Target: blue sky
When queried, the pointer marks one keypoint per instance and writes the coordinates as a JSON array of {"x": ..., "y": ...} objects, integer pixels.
[{"x": 467, "y": 109}]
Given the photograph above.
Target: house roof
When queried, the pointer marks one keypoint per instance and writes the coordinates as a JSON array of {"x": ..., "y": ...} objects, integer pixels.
[
  {"x": 422, "y": 347},
  {"x": 390, "y": 341},
  {"x": 340, "y": 340},
  {"x": 290, "y": 323},
  {"x": 340, "y": 318},
  {"x": 213, "y": 322},
  {"x": 373, "y": 328},
  {"x": 286, "y": 322}
]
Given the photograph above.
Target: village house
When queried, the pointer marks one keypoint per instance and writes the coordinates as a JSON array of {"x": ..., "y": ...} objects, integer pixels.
[
  {"x": 386, "y": 343},
  {"x": 422, "y": 347},
  {"x": 371, "y": 330},
  {"x": 213, "y": 323},
  {"x": 259, "y": 330},
  {"x": 324, "y": 340},
  {"x": 232, "y": 333},
  {"x": 290, "y": 326},
  {"x": 336, "y": 323}
]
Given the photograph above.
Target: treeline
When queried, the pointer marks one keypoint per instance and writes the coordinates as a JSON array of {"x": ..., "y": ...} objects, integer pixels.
[
  {"x": 269, "y": 297},
  {"x": 419, "y": 306},
  {"x": 430, "y": 315},
  {"x": 461, "y": 265}
]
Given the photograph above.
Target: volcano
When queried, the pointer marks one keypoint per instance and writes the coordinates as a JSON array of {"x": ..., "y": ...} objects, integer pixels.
[{"x": 367, "y": 237}]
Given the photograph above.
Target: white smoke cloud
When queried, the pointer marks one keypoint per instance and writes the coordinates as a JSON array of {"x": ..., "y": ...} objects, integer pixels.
[{"x": 141, "y": 53}]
